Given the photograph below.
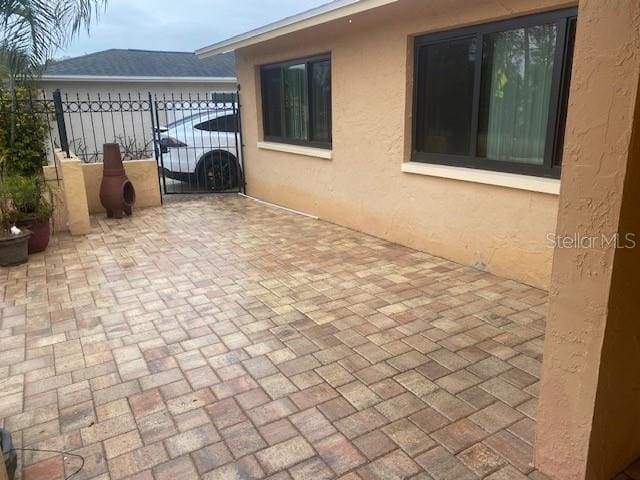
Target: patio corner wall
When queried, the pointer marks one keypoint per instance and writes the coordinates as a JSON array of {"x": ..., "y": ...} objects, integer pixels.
[
  {"x": 76, "y": 186},
  {"x": 589, "y": 409},
  {"x": 503, "y": 230},
  {"x": 75, "y": 194},
  {"x": 60, "y": 218}
]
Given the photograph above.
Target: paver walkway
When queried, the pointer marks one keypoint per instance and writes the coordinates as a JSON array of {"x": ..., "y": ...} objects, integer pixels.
[{"x": 224, "y": 339}]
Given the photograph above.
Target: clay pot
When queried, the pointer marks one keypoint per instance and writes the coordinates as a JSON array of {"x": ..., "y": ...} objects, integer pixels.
[
  {"x": 14, "y": 249},
  {"x": 40, "y": 233},
  {"x": 117, "y": 194}
]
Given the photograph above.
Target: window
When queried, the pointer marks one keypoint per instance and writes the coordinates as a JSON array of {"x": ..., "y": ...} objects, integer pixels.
[
  {"x": 494, "y": 96},
  {"x": 225, "y": 123},
  {"x": 296, "y": 102}
]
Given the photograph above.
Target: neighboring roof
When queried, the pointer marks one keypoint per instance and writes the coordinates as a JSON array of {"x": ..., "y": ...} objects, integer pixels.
[
  {"x": 143, "y": 65},
  {"x": 316, "y": 16}
]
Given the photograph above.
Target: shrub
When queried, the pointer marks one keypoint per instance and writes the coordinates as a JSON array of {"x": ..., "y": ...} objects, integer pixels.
[
  {"x": 28, "y": 154},
  {"x": 8, "y": 214},
  {"x": 28, "y": 196}
]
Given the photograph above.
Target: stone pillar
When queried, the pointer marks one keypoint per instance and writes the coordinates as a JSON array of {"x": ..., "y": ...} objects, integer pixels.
[
  {"x": 75, "y": 193},
  {"x": 589, "y": 413}
]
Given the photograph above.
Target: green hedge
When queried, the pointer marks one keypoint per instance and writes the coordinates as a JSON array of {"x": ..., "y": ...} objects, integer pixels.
[{"x": 28, "y": 112}]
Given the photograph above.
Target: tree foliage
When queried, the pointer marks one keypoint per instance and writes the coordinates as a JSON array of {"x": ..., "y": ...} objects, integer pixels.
[
  {"x": 31, "y": 31},
  {"x": 24, "y": 118}
]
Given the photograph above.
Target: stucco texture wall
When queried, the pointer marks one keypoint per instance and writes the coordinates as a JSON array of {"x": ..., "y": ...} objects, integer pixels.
[
  {"x": 499, "y": 229},
  {"x": 589, "y": 409},
  {"x": 60, "y": 217},
  {"x": 124, "y": 88},
  {"x": 76, "y": 186}
]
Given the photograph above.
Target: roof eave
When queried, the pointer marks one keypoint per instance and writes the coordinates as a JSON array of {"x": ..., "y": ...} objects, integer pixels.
[
  {"x": 134, "y": 79},
  {"x": 323, "y": 14}
]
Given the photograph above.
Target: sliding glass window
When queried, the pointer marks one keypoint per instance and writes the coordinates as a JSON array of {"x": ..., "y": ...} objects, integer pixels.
[
  {"x": 494, "y": 96},
  {"x": 296, "y": 101}
]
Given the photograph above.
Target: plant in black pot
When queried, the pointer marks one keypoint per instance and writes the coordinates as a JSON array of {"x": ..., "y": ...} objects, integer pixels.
[
  {"x": 14, "y": 241},
  {"x": 31, "y": 33},
  {"x": 23, "y": 130},
  {"x": 32, "y": 200}
]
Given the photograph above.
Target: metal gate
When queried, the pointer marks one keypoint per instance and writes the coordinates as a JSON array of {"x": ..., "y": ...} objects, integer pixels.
[
  {"x": 195, "y": 138},
  {"x": 198, "y": 144}
]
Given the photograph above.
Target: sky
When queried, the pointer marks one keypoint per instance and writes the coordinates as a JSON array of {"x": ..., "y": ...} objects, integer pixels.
[{"x": 178, "y": 25}]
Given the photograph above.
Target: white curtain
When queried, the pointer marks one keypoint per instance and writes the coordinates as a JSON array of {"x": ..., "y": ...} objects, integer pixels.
[
  {"x": 295, "y": 101},
  {"x": 520, "y": 70}
]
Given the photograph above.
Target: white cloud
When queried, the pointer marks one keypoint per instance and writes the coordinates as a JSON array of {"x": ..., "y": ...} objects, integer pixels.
[{"x": 179, "y": 25}]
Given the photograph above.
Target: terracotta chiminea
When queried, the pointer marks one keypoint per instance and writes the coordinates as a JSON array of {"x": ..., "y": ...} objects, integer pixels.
[{"x": 117, "y": 194}]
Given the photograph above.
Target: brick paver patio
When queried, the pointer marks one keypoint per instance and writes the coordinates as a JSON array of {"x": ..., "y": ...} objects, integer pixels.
[{"x": 223, "y": 339}]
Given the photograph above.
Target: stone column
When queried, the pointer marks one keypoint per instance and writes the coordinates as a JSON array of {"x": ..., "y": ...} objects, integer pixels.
[
  {"x": 589, "y": 413},
  {"x": 75, "y": 193}
]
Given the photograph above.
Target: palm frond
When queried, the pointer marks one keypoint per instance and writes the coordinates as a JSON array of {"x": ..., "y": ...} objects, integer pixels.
[{"x": 31, "y": 31}]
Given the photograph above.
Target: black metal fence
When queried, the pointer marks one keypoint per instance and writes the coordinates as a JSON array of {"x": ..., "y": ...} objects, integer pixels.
[
  {"x": 195, "y": 138},
  {"x": 86, "y": 122}
]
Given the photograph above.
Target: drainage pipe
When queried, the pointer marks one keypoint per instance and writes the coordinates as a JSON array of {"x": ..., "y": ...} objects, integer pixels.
[{"x": 290, "y": 210}]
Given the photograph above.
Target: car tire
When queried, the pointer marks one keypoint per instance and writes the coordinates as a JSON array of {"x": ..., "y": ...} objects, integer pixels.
[{"x": 218, "y": 171}]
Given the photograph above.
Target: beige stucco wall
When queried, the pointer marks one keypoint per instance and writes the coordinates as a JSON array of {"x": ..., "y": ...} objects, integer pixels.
[
  {"x": 76, "y": 187},
  {"x": 73, "y": 191},
  {"x": 93, "y": 88},
  {"x": 60, "y": 217},
  {"x": 500, "y": 229},
  {"x": 589, "y": 410}
]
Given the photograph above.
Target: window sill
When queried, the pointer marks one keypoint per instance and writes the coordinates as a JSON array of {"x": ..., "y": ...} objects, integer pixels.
[
  {"x": 500, "y": 179},
  {"x": 296, "y": 149}
]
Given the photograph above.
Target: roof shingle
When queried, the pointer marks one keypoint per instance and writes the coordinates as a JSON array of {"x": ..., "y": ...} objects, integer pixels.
[{"x": 145, "y": 63}]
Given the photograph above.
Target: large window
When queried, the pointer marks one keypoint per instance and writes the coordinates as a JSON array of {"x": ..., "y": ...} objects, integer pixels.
[
  {"x": 296, "y": 101},
  {"x": 494, "y": 96}
]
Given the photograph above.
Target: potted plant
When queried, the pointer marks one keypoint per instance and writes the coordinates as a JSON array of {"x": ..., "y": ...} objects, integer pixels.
[
  {"x": 33, "y": 211},
  {"x": 31, "y": 33},
  {"x": 14, "y": 241},
  {"x": 23, "y": 130}
]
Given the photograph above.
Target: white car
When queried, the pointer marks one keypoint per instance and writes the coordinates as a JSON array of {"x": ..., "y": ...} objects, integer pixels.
[{"x": 202, "y": 149}]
